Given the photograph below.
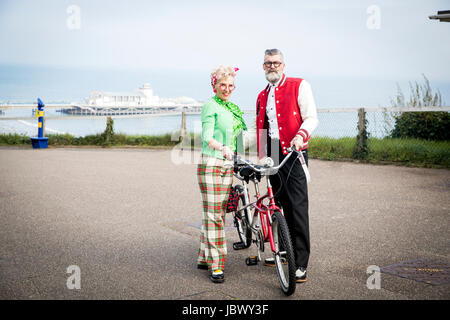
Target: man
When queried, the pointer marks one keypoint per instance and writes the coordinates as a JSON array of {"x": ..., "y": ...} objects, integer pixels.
[{"x": 286, "y": 116}]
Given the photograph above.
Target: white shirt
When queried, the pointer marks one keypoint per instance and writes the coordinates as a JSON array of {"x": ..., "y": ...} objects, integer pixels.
[{"x": 307, "y": 109}]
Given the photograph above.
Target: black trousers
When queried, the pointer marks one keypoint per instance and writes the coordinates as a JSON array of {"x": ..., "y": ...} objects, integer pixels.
[{"x": 291, "y": 193}]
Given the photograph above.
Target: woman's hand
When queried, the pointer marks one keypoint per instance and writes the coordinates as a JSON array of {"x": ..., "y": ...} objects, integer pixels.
[{"x": 227, "y": 153}]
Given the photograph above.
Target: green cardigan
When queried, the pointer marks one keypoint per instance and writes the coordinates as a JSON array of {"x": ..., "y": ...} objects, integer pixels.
[{"x": 217, "y": 124}]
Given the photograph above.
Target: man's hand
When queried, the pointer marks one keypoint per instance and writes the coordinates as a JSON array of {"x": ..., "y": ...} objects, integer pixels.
[{"x": 297, "y": 142}]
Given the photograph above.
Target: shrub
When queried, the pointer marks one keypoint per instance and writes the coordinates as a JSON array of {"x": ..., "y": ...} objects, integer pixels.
[
  {"x": 14, "y": 139},
  {"x": 421, "y": 125},
  {"x": 61, "y": 139}
]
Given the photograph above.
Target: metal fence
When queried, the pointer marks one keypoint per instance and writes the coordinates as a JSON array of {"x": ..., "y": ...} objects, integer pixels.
[
  {"x": 333, "y": 122},
  {"x": 367, "y": 129},
  {"x": 342, "y": 122}
]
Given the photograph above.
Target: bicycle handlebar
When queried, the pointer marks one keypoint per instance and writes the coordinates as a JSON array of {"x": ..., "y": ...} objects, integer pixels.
[{"x": 267, "y": 168}]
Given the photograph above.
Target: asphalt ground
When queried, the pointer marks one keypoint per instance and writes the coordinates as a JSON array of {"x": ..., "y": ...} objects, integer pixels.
[{"x": 129, "y": 220}]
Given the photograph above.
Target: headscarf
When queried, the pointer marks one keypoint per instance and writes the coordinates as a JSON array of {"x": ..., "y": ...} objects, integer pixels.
[{"x": 238, "y": 121}]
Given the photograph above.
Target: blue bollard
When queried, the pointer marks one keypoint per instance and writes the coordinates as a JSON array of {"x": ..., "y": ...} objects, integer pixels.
[{"x": 40, "y": 142}]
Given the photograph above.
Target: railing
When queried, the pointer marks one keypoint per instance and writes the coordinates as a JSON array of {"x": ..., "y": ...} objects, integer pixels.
[
  {"x": 164, "y": 109},
  {"x": 83, "y": 111},
  {"x": 378, "y": 119},
  {"x": 333, "y": 122}
]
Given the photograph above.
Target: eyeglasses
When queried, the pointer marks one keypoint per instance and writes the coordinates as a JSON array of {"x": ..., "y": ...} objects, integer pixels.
[
  {"x": 276, "y": 64},
  {"x": 223, "y": 86}
]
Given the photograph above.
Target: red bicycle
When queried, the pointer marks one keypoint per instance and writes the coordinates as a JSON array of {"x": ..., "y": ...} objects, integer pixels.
[{"x": 262, "y": 220}]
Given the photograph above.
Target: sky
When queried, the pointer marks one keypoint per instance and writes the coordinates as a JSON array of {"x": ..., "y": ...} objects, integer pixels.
[{"x": 352, "y": 52}]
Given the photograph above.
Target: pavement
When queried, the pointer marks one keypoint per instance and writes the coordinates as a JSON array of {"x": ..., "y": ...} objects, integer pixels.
[{"x": 126, "y": 221}]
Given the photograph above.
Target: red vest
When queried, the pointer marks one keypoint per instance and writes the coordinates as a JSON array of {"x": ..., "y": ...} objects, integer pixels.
[{"x": 288, "y": 114}]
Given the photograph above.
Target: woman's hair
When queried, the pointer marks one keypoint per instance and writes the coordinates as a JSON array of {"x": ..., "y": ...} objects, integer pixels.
[{"x": 222, "y": 72}]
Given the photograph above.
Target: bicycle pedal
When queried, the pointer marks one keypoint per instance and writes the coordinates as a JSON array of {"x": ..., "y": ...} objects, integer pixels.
[
  {"x": 239, "y": 245},
  {"x": 251, "y": 261}
]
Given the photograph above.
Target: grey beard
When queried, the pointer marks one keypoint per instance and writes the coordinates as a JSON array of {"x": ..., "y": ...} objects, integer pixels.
[{"x": 273, "y": 77}]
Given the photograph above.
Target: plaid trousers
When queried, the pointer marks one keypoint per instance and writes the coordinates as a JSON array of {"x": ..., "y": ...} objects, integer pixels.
[{"x": 215, "y": 177}]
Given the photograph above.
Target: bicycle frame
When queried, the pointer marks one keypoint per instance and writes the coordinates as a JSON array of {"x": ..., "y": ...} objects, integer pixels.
[
  {"x": 251, "y": 229},
  {"x": 265, "y": 212}
]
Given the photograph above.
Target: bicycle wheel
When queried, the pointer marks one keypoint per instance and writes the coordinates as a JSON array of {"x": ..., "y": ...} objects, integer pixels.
[
  {"x": 241, "y": 220},
  {"x": 283, "y": 246}
]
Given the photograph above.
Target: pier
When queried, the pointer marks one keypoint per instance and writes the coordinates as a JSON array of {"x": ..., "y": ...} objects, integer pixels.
[{"x": 120, "y": 111}]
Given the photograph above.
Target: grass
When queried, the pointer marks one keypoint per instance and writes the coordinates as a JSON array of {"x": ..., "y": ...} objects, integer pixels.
[
  {"x": 416, "y": 152},
  {"x": 91, "y": 140},
  {"x": 408, "y": 152},
  {"x": 331, "y": 148}
]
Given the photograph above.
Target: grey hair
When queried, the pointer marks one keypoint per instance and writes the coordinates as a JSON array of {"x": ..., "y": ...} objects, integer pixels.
[
  {"x": 221, "y": 72},
  {"x": 273, "y": 52}
]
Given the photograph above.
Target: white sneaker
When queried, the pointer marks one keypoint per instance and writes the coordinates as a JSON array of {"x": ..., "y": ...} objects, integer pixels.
[
  {"x": 270, "y": 262},
  {"x": 300, "y": 275}
]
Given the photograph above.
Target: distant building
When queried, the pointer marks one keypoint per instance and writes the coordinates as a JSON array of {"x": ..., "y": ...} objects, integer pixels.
[
  {"x": 143, "y": 97},
  {"x": 143, "y": 101}
]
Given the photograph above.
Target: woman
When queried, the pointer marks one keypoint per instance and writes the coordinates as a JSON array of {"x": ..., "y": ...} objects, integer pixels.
[{"x": 222, "y": 123}]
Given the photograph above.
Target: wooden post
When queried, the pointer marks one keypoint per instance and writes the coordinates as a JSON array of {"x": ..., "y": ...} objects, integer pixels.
[
  {"x": 109, "y": 131},
  {"x": 361, "y": 148},
  {"x": 361, "y": 121},
  {"x": 183, "y": 128}
]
